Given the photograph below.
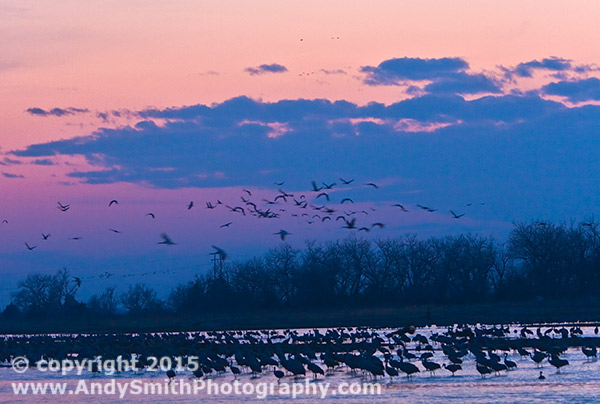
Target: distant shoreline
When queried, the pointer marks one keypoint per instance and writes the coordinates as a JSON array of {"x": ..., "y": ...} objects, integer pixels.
[{"x": 524, "y": 312}]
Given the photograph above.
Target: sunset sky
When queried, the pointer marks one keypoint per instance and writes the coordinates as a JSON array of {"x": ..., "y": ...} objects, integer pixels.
[{"x": 490, "y": 109}]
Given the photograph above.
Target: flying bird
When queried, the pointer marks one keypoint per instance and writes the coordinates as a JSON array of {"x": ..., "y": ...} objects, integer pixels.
[
  {"x": 75, "y": 238},
  {"x": 151, "y": 215},
  {"x": 45, "y": 236},
  {"x": 315, "y": 188},
  {"x": 302, "y": 204},
  {"x": 428, "y": 209},
  {"x": 166, "y": 240},
  {"x": 225, "y": 225},
  {"x": 62, "y": 207},
  {"x": 220, "y": 252},
  {"x": 370, "y": 184},
  {"x": 247, "y": 191},
  {"x": 328, "y": 186},
  {"x": 285, "y": 194},
  {"x": 399, "y": 205},
  {"x": 323, "y": 194},
  {"x": 455, "y": 216},
  {"x": 347, "y": 200},
  {"x": 279, "y": 183},
  {"x": 113, "y": 202},
  {"x": 378, "y": 224},
  {"x": 4, "y": 221},
  {"x": 115, "y": 231},
  {"x": 283, "y": 234},
  {"x": 347, "y": 182},
  {"x": 30, "y": 248},
  {"x": 77, "y": 281},
  {"x": 350, "y": 224},
  {"x": 190, "y": 205}
]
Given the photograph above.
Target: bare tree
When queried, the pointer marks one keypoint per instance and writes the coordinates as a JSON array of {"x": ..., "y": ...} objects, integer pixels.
[
  {"x": 105, "y": 303},
  {"x": 42, "y": 293},
  {"x": 139, "y": 298}
]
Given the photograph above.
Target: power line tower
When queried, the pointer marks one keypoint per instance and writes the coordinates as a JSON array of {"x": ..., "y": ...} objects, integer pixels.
[{"x": 217, "y": 261}]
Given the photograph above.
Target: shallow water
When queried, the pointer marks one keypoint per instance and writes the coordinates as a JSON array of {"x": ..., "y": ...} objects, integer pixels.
[{"x": 579, "y": 382}]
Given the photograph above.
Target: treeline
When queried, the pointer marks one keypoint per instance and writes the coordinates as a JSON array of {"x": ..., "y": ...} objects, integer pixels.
[{"x": 538, "y": 260}]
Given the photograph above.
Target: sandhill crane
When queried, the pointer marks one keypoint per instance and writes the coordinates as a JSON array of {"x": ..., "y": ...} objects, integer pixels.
[{"x": 166, "y": 240}]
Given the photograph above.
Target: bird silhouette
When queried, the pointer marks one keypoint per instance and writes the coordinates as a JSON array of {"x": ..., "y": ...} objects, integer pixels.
[
  {"x": 483, "y": 369},
  {"x": 370, "y": 184},
  {"x": 279, "y": 183},
  {"x": 190, "y": 205},
  {"x": 282, "y": 234},
  {"x": 225, "y": 225},
  {"x": 151, "y": 215},
  {"x": 430, "y": 366},
  {"x": 222, "y": 254},
  {"x": 399, "y": 205},
  {"x": 408, "y": 368},
  {"x": 348, "y": 182},
  {"x": 279, "y": 375},
  {"x": 62, "y": 207},
  {"x": 347, "y": 200},
  {"x": 427, "y": 208},
  {"x": 45, "y": 236},
  {"x": 453, "y": 368},
  {"x": 323, "y": 194},
  {"x": 350, "y": 224},
  {"x": 509, "y": 364},
  {"x": 166, "y": 240},
  {"x": 115, "y": 231},
  {"x": 30, "y": 248},
  {"x": 77, "y": 281},
  {"x": 456, "y": 216},
  {"x": 113, "y": 202},
  {"x": 557, "y": 362}
]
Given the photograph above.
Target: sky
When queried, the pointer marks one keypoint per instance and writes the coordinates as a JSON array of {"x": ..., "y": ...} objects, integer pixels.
[{"x": 487, "y": 109}]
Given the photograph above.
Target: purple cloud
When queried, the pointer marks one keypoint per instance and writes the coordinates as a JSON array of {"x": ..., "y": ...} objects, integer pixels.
[
  {"x": 56, "y": 111},
  {"x": 266, "y": 68},
  {"x": 446, "y": 75},
  {"x": 526, "y": 69},
  {"x": 575, "y": 90},
  {"x": 10, "y": 175}
]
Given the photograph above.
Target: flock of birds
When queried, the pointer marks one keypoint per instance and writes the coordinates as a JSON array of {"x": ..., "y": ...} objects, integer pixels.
[
  {"x": 360, "y": 352},
  {"x": 317, "y": 205}
]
